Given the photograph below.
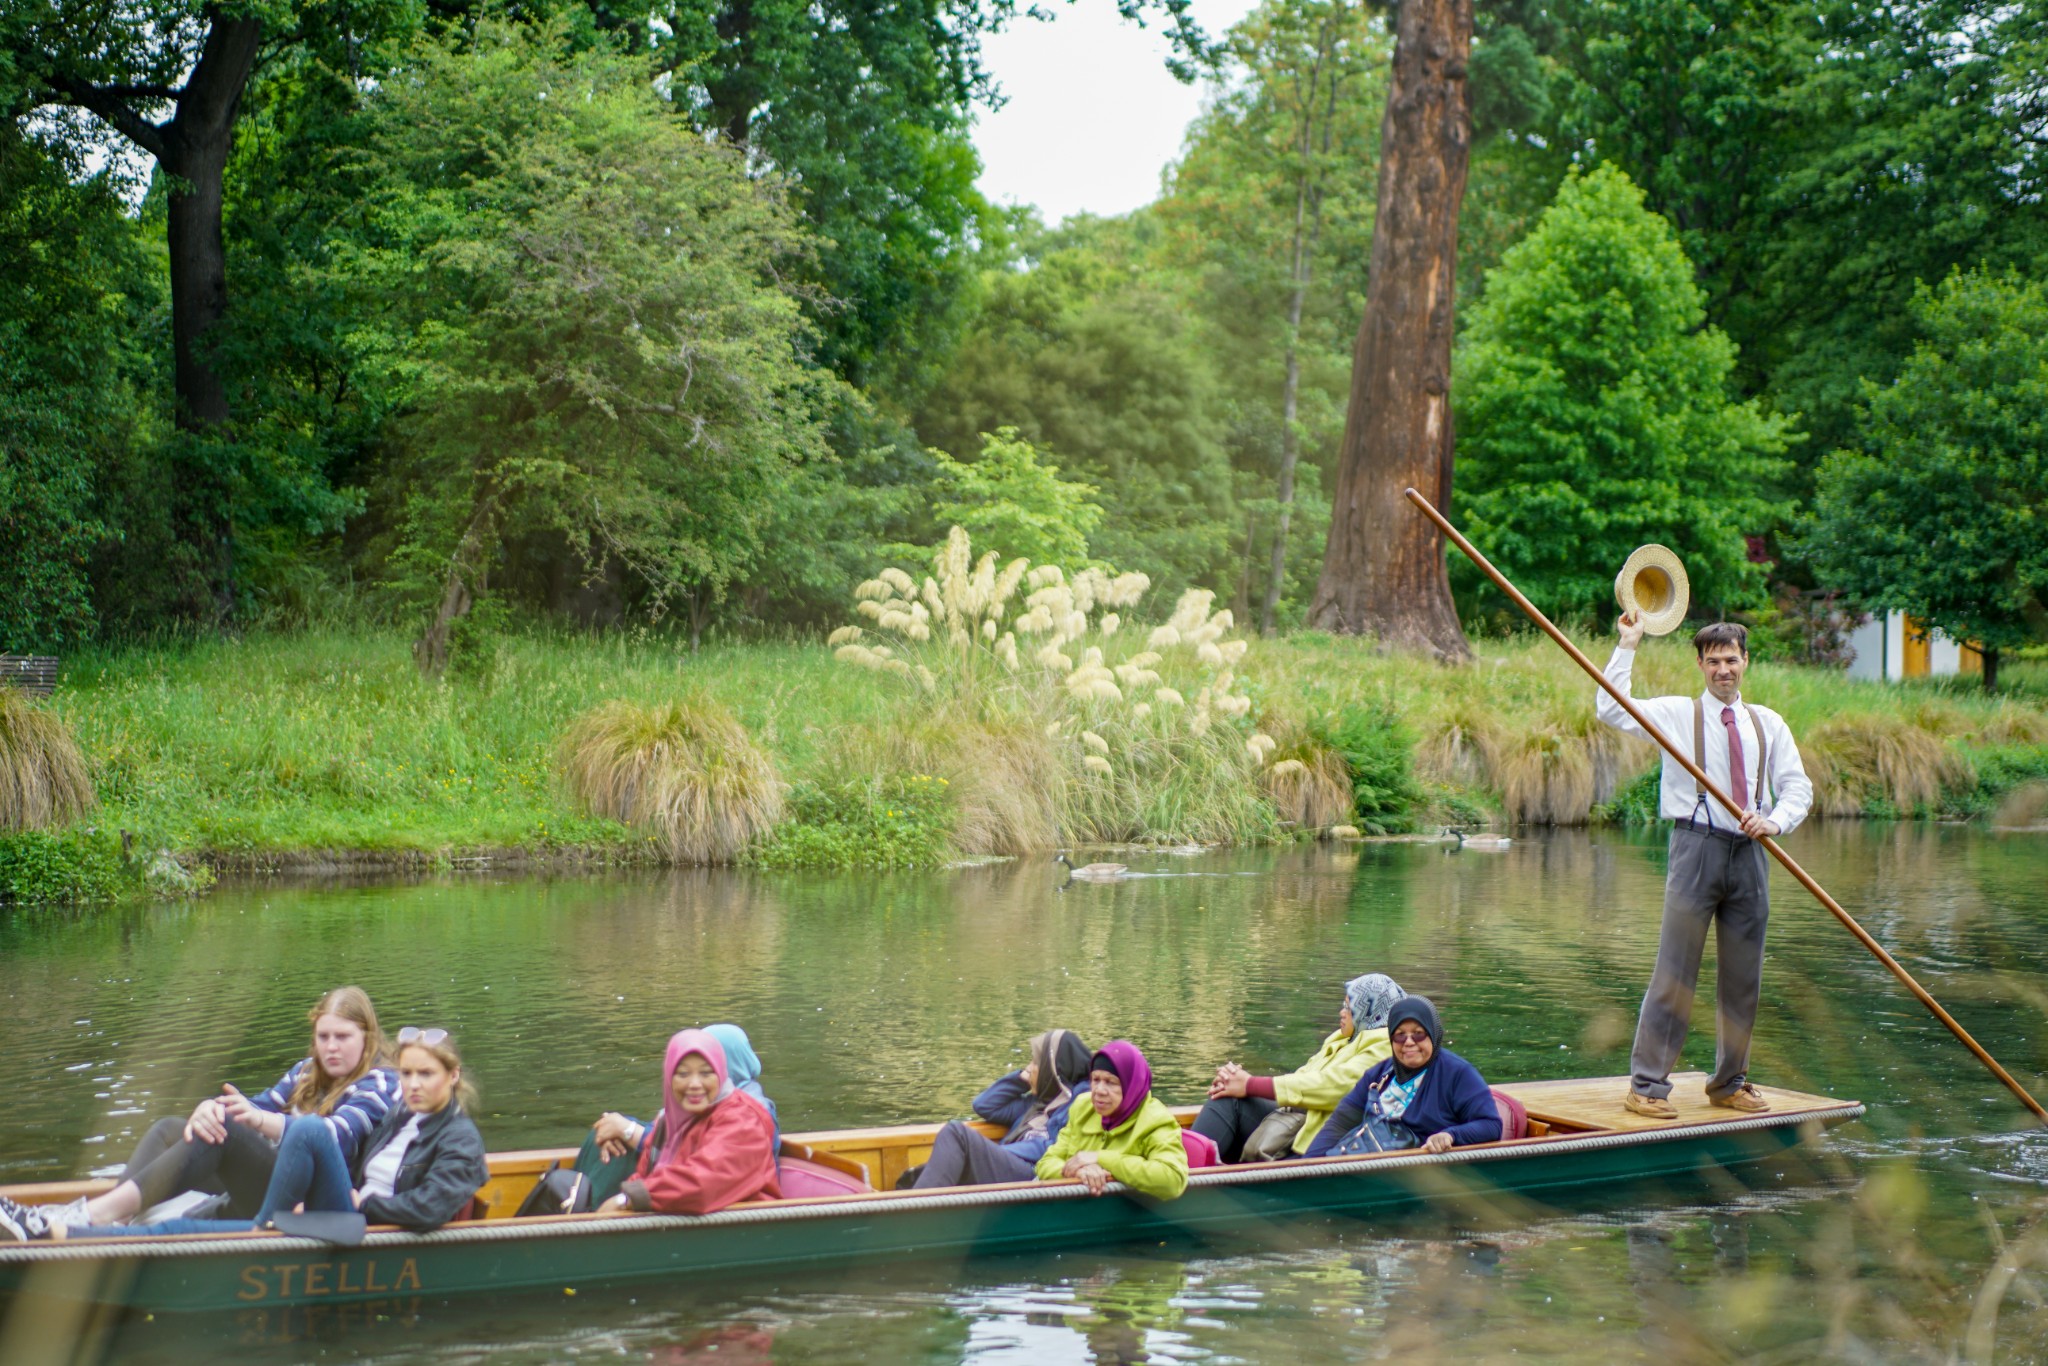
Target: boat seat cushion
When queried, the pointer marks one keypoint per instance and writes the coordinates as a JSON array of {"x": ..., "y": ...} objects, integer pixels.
[
  {"x": 801, "y": 1179},
  {"x": 1514, "y": 1116},
  {"x": 1201, "y": 1150}
]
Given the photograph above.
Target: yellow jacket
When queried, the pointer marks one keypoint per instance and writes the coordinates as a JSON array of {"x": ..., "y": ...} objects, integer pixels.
[
  {"x": 1324, "y": 1080},
  {"x": 1145, "y": 1152}
]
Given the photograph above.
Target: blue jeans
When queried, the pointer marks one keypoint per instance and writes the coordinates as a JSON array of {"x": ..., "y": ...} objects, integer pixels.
[{"x": 310, "y": 1168}]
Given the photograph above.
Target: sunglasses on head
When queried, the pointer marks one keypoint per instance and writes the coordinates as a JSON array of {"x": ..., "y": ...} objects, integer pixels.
[{"x": 429, "y": 1037}]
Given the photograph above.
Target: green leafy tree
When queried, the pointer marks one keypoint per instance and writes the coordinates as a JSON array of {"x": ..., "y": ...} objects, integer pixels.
[
  {"x": 1096, "y": 361},
  {"x": 1817, "y": 158},
  {"x": 1594, "y": 415},
  {"x": 1938, "y": 510},
  {"x": 603, "y": 367},
  {"x": 74, "y": 386},
  {"x": 1270, "y": 211},
  {"x": 864, "y": 110},
  {"x": 1010, "y": 502}
]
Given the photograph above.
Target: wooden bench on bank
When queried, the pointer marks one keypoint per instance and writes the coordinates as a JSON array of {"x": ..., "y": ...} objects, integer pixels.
[{"x": 35, "y": 675}]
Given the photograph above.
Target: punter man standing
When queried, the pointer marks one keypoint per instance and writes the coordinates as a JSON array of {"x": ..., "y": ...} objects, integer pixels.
[{"x": 1719, "y": 875}]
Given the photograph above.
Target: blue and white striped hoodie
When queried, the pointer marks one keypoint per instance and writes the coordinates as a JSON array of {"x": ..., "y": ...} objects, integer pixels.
[{"x": 363, "y": 1104}]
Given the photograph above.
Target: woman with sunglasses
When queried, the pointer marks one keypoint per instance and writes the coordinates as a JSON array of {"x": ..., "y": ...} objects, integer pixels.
[
  {"x": 418, "y": 1169},
  {"x": 1264, "y": 1119},
  {"x": 1423, "y": 1096}
]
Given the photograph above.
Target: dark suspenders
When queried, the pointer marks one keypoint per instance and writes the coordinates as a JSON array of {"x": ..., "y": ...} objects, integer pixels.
[{"x": 1699, "y": 756}]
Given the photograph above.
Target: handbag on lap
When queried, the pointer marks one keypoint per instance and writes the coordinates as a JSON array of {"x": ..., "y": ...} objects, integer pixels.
[
  {"x": 1273, "y": 1140},
  {"x": 1376, "y": 1135}
]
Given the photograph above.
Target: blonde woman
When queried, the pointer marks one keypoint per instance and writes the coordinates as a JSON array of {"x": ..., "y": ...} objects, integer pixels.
[
  {"x": 229, "y": 1141},
  {"x": 418, "y": 1168}
]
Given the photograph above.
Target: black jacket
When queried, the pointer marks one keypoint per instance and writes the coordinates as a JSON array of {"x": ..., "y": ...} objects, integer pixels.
[{"x": 442, "y": 1169}]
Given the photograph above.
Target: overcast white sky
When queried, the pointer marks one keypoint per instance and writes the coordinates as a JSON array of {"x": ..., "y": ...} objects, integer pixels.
[{"x": 1093, "y": 114}]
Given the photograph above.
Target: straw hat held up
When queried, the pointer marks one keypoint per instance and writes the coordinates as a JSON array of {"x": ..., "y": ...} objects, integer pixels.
[{"x": 1652, "y": 584}]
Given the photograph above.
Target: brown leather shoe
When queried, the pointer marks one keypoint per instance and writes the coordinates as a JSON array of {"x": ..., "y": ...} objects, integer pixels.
[
  {"x": 1650, "y": 1107},
  {"x": 1745, "y": 1098}
]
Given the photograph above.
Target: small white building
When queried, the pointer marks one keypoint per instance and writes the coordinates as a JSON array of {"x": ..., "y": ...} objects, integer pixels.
[{"x": 1895, "y": 646}]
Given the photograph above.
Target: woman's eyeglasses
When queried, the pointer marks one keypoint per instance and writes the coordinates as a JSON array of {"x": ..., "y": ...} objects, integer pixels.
[
  {"x": 429, "y": 1037},
  {"x": 1409, "y": 1036}
]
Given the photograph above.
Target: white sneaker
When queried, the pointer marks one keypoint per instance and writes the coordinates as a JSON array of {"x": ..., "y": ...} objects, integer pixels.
[
  {"x": 22, "y": 1223},
  {"x": 67, "y": 1217}
]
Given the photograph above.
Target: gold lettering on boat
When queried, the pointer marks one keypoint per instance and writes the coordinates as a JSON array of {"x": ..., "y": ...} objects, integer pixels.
[
  {"x": 370, "y": 1281},
  {"x": 284, "y": 1279},
  {"x": 317, "y": 1272},
  {"x": 341, "y": 1282},
  {"x": 254, "y": 1287},
  {"x": 410, "y": 1272}
]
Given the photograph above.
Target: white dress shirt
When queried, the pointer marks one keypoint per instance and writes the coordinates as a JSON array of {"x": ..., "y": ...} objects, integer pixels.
[{"x": 1787, "y": 789}]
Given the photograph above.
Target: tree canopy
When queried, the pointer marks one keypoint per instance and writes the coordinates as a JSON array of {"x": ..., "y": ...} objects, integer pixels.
[
  {"x": 1938, "y": 509},
  {"x": 1594, "y": 412}
]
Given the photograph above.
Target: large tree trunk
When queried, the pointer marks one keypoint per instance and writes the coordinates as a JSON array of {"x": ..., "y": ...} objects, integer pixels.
[
  {"x": 194, "y": 155},
  {"x": 1384, "y": 571}
]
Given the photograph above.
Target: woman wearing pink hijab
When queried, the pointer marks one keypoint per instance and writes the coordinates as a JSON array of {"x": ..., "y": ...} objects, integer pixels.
[{"x": 704, "y": 1153}]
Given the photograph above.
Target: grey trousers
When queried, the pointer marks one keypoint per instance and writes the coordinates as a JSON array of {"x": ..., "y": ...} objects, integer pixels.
[
  {"x": 1725, "y": 883},
  {"x": 962, "y": 1157}
]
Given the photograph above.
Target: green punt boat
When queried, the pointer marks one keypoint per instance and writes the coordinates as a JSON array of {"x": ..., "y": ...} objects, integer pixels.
[{"x": 1579, "y": 1136}]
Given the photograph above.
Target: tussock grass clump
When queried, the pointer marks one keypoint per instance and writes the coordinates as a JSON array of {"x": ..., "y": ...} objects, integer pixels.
[
  {"x": 43, "y": 778},
  {"x": 1865, "y": 762},
  {"x": 2023, "y": 808},
  {"x": 686, "y": 771},
  {"x": 1310, "y": 784}
]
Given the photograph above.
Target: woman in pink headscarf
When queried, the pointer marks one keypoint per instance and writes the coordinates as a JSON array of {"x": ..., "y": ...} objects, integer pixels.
[{"x": 704, "y": 1153}]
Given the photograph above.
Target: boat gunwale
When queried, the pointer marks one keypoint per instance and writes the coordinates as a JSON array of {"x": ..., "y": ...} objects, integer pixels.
[{"x": 130, "y": 1248}]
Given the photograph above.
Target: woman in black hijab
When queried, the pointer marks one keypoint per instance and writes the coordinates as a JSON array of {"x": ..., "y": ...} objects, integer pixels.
[{"x": 1423, "y": 1096}]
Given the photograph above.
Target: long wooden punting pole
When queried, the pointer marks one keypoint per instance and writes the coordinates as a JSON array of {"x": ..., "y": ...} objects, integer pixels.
[{"x": 1805, "y": 879}]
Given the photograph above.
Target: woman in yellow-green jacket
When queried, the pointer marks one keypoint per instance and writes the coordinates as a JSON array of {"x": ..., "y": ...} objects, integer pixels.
[
  {"x": 1123, "y": 1134},
  {"x": 1256, "y": 1119}
]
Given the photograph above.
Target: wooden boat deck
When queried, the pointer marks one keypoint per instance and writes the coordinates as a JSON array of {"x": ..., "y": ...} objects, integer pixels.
[{"x": 1587, "y": 1103}]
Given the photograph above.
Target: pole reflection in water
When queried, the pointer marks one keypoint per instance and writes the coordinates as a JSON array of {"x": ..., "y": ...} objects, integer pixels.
[{"x": 1919, "y": 1234}]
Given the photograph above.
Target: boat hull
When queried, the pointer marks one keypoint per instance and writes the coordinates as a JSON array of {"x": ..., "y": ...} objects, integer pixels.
[{"x": 245, "y": 1271}]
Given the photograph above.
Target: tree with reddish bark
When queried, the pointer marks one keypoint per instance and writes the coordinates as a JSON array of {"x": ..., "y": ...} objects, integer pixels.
[{"x": 1383, "y": 572}]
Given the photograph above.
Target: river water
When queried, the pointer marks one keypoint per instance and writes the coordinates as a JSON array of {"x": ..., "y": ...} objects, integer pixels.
[{"x": 1920, "y": 1233}]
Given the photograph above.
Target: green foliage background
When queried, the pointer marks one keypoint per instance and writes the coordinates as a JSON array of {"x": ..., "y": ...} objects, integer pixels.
[{"x": 700, "y": 320}]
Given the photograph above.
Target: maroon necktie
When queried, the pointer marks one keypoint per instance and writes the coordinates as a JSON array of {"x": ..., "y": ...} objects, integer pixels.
[{"x": 1739, "y": 778}]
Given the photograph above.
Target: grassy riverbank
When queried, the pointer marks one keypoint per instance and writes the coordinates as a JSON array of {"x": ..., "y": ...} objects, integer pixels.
[{"x": 328, "y": 747}]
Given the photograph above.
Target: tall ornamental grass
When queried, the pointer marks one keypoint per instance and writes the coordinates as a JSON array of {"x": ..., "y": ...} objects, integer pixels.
[
  {"x": 44, "y": 781},
  {"x": 686, "y": 772},
  {"x": 1054, "y": 717}
]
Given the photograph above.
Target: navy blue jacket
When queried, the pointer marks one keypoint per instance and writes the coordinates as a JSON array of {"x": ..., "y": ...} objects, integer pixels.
[
  {"x": 1008, "y": 1100},
  {"x": 1453, "y": 1098}
]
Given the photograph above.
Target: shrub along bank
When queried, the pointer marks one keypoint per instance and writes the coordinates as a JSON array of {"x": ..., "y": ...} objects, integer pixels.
[{"x": 329, "y": 747}]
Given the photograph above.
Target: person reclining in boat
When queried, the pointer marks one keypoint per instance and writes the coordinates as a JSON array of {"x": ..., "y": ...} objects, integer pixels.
[
  {"x": 712, "y": 1147},
  {"x": 1123, "y": 1134},
  {"x": 1262, "y": 1119},
  {"x": 229, "y": 1143},
  {"x": 418, "y": 1169},
  {"x": 1423, "y": 1096},
  {"x": 1033, "y": 1102}
]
